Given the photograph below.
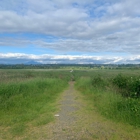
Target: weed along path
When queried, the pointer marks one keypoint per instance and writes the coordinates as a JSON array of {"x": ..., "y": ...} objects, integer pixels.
[{"x": 77, "y": 119}]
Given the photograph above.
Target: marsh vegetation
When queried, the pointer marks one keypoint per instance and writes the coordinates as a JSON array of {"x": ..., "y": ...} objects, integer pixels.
[{"x": 28, "y": 97}]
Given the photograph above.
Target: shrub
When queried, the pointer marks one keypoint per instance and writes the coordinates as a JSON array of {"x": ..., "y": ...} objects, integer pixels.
[
  {"x": 134, "y": 87},
  {"x": 101, "y": 92},
  {"x": 128, "y": 86},
  {"x": 98, "y": 81},
  {"x": 120, "y": 81}
]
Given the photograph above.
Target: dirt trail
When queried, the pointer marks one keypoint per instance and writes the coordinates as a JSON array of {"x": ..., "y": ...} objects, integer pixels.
[{"x": 78, "y": 120}]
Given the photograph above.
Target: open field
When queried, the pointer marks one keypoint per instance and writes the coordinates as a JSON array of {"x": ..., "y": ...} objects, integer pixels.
[{"x": 28, "y": 98}]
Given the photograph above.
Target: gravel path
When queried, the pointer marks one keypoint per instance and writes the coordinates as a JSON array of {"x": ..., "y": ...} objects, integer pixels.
[
  {"x": 64, "y": 128},
  {"x": 75, "y": 121}
]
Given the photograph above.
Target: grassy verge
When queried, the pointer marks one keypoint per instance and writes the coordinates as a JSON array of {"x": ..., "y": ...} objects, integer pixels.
[
  {"x": 108, "y": 100},
  {"x": 28, "y": 103}
]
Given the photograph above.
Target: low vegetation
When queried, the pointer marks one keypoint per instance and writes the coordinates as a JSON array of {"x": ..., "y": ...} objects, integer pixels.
[
  {"x": 129, "y": 86},
  {"x": 116, "y": 96},
  {"x": 27, "y": 99}
]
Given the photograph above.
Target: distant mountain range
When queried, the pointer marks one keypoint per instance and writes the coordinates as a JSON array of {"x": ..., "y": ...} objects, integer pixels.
[
  {"x": 18, "y": 61},
  {"x": 32, "y": 62}
]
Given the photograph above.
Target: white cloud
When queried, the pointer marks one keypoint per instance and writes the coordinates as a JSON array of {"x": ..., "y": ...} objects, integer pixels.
[
  {"x": 84, "y": 26},
  {"x": 78, "y": 59},
  {"x": 119, "y": 42}
]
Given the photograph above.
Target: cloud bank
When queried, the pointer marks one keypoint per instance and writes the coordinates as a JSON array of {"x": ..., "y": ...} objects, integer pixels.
[
  {"x": 75, "y": 26},
  {"x": 17, "y": 58}
]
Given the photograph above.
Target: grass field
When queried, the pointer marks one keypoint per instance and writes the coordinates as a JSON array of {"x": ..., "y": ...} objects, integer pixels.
[
  {"x": 28, "y": 97},
  {"x": 116, "y": 94}
]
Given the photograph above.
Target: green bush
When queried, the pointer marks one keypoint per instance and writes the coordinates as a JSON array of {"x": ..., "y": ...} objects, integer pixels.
[
  {"x": 128, "y": 86},
  {"x": 98, "y": 81},
  {"x": 120, "y": 81},
  {"x": 134, "y": 86},
  {"x": 108, "y": 102}
]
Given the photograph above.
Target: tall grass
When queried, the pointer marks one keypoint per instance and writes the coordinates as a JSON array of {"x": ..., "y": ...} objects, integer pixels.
[
  {"x": 108, "y": 100},
  {"x": 21, "y": 75},
  {"x": 28, "y": 99}
]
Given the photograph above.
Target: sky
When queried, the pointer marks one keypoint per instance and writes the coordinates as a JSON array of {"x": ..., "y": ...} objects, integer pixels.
[{"x": 70, "y": 31}]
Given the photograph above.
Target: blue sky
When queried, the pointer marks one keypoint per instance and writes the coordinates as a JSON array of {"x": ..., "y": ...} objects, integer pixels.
[{"x": 90, "y": 31}]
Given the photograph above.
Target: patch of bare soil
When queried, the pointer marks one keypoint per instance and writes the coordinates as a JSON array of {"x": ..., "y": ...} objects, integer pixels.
[{"x": 77, "y": 119}]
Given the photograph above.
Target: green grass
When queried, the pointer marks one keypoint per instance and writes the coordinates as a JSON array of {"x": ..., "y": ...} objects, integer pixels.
[
  {"x": 108, "y": 99},
  {"x": 8, "y": 75},
  {"x": 29, "y": 101},
  {"x": 28, "y": 97}
]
